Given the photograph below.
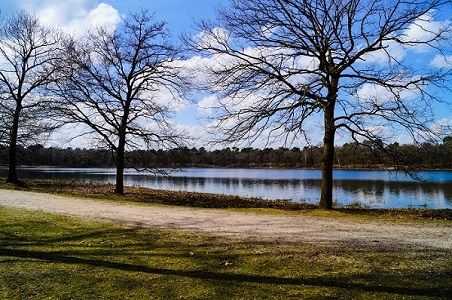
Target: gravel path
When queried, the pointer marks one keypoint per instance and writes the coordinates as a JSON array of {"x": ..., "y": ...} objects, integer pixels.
[{"x": 243, "y": 225}]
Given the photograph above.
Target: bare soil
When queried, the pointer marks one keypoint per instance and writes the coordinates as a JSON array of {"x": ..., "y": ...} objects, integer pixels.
[{"x": 284, "y": 228}]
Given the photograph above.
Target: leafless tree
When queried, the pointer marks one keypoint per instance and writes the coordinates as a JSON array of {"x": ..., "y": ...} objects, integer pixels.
[
  {"x": 30, "y": 56},
  {"x": 123, "y": 85},
  {"x": 277, "y": 65}
]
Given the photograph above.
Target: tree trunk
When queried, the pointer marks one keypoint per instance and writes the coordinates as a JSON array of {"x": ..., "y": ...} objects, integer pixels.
[
  {"x": 326, "y": 197},
  {"x": 12, "y": 160},
  {"x": 120, "y": 162},
  {"x": 120, "y": 165}
]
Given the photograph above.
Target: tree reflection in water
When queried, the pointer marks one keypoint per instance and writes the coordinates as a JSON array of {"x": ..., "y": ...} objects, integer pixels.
[{"x": 374, "y": 189}]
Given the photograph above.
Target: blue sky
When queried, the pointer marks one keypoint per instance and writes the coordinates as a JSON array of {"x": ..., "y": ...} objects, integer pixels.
[
  {"x": 79, "y": 15},
  {"x": 179, "y": 14}
]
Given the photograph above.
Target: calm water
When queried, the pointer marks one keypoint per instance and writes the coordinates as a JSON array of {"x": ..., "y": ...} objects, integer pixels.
[{"x": 375, "y": 189}]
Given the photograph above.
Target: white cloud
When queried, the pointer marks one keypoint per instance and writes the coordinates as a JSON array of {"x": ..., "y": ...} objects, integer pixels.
[
  {"x": 392, "y": 53},
  {"x": 378, "y": 94},
  {"x": 268, "y": 30},
  {"x": 73, "y": 16},
  {"x": 369, "y": 92},
  {"x": 418, "y": 38},
  {"x": 441, "y": 61},
  {"x": 215, "y": 39},
  {"x": 443, "y": 127},
  {"x": 165, "y": 98},
  {"x": 207, "y": 105},
  {"x": 423, "y": 30}
]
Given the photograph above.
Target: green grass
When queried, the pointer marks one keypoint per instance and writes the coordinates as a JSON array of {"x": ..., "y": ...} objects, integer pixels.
[{"x": 44, "y": 256}]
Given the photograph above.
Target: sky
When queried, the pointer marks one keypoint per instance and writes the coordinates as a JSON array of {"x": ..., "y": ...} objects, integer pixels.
[
  {"x": 77, "y": 16},
  {"x": 179, "y": 14}
]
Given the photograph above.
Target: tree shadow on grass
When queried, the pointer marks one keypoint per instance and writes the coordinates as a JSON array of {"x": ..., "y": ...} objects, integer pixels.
[
  {"x": 354, "y": 282},
  {"x": 61, "y": 241}
]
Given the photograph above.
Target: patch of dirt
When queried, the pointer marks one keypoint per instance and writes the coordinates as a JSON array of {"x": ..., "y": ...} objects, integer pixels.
[{"x": 241, "y": 224}]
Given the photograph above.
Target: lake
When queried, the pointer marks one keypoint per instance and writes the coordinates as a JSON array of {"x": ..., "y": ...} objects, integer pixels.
[{"x": 370, "y": 188}]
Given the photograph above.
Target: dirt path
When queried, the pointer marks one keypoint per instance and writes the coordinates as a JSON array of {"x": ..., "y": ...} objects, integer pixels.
[{"x": 246, "y": 225}]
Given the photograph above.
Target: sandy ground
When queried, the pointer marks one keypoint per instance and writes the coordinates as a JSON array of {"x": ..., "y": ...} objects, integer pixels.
[{"x": 243, "y": 225}]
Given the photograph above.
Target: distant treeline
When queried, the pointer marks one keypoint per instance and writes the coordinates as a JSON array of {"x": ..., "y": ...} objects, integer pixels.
[{"x": 425, "y": 156}]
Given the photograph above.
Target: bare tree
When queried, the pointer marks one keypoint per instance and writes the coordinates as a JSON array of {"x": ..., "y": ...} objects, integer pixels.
[
  {"x": 277, "y": 65},
  {"x": 123, "y": 85},
  {"x": 29, "y": 58}
]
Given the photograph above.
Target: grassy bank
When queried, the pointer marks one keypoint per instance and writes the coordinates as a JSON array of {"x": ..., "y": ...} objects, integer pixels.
[{"x": 44, "y": 256}]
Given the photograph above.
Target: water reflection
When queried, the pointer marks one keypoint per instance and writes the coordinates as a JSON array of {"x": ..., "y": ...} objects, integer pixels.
[{"x": 375, "y": 189}]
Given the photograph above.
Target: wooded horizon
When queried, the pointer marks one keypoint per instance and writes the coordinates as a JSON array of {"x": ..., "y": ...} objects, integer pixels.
[{"x": 349, "y": 155}]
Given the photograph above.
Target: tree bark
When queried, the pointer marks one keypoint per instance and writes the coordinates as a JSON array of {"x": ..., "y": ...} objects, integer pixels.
[
  {"x": 120, "y": 152},
  {"x": 12, "y": 160},
  {"x": 326, "y": 196},
  {"x": 120, "y": 166}
]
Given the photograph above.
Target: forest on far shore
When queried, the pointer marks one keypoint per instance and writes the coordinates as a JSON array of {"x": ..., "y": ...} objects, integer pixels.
[{"x": 349, "y": 155}]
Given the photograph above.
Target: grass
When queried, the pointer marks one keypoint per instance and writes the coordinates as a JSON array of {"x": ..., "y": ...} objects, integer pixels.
[{"x": 44, "y": 256}]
